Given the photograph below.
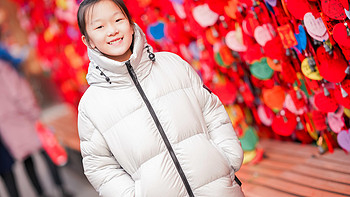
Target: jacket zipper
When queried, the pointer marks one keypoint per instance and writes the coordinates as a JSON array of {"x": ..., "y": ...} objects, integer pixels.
[{"x": 160, "y": 128}]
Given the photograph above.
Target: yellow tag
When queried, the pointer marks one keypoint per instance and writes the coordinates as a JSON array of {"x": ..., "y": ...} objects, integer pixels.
[
  {"x": 347, "y": 112},
  {"x": 305, "y": 68},
  {"x": 248, "y": 156}
]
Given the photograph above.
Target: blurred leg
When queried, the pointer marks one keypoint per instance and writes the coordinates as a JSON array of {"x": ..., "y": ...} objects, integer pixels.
[
  {"x": 29, "y": 165},
  {"x": 10, "y": 183}
]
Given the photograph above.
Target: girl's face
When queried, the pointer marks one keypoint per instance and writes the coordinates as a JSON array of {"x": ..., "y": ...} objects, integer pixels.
[{"x": 109, "y": 30}]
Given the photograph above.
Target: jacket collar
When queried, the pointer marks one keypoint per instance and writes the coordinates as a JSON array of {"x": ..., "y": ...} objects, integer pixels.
[{"x": 117, "y": 71}]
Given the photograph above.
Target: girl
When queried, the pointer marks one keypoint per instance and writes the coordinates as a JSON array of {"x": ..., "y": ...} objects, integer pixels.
[{"x": 147, "y": 125}]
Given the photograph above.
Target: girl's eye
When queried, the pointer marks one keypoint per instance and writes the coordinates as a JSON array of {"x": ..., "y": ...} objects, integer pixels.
[
  {"x": 118, "y": 20},
  {"x": 99, "y": 27}
]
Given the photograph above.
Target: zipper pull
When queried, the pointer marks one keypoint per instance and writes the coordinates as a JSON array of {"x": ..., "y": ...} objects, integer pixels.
[{"x": 131, "y": 72}]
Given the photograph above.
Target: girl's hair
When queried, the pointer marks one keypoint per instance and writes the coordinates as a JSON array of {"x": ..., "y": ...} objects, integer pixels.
[{"x": 84, "y": 9}]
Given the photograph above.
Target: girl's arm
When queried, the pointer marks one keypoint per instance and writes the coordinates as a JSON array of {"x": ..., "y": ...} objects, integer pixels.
[
  {"x": 100, "y": 166},
  {"x": 218, "y": 122}
]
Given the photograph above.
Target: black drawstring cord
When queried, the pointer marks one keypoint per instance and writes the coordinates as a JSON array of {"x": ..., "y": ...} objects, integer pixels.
[
  {"x": 151, "y": 55},
  {"x": 102, "y": 73}
]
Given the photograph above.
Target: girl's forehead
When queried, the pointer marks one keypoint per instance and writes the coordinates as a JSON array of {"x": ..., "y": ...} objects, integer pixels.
[{"x": 101, "y": 10}]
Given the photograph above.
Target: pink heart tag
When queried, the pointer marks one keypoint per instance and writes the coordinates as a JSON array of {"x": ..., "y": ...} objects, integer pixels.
[
  {"x": 179, "y": 10},
  {"x": 204, "y": 16},
  {"x": 234, "y": 41},
  {"x": 319, "y": 38},
  {"x": 314, "y": 26},
  {"x": 264, "y": 33},
  {"x": 265, "y": 115},
  {"x": 335, "y": 122},
  {"x": 344, "y": 139},
  {"x": 272, "y": 2},
  {"x": 290, "y": 105}
]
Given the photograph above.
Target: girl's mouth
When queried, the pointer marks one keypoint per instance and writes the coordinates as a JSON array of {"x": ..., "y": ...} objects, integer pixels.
[{"x": 115, "y": 41}]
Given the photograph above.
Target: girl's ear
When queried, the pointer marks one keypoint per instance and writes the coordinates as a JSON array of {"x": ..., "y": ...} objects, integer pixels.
[{"x": 90, "y": 45}]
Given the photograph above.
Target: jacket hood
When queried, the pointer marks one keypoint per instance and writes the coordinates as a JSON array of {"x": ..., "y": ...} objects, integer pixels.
[{"x": 105, "y": 72}]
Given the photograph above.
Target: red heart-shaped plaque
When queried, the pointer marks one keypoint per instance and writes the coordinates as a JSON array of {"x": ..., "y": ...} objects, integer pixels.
[
  {"x": 298, "y": 8},
  {"x": 326, "y": 103},
  {"x": 331, "y": 67},
  {"x": 319, "y": 120},
  {"x": 298, "y": 102},
  {"x": 253, "y": 53},
  {"x": 340, "y": 35},
  {"x": 340, "y": 99},
  {"x": 284, "y": 125},
  {"x": 346, "y": 85},
  {"x": 274, "y": 49},
  {"x": 268, "y": 84},
  {"x": 333, "y": 9}
]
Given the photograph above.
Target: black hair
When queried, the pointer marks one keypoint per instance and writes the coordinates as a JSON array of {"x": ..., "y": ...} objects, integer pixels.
[{"x": 84, "y": 8}]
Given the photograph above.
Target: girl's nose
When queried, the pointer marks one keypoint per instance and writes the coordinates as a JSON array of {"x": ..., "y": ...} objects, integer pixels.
[{"x": 112, "y": 31}]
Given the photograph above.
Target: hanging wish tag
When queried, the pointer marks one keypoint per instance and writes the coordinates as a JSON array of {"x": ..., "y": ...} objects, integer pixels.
[
  {"x": 333, "y": 9},
  {"x": 308, "y": 72},
  {"x": 340, "y": 34},
  {"x": 313, "y": 25},
  {"x": 204, "y": 16},
  {"x": 261, "y": 70},
  {"x": 263, "y": 34},
  {"x": 287, "y": 36},
  {"x": 344, "y": 139},
  {"x": 234, "y": 41}
]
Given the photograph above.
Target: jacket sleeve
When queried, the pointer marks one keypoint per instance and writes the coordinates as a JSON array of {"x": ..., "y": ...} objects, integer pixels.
[
  {"x": 100, "y": 166},
  {"x": 218, "y": 122}
]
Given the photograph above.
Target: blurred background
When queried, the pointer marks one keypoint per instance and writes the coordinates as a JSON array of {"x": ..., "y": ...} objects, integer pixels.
[{"x": 280, "y": 68}]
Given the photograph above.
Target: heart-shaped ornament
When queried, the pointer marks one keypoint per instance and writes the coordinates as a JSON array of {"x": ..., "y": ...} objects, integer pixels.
[
  {"x": 308, "y": 72},
  {"x": 336, "y": 120},
  {"x": 319, "y": 120},
  {"x": 268, "y": 84},
  {"x": 271, "y": 2},
  {"x": 347, "y": 13},
  {"x": 284, "y": 125},
  {"x": 234, "y": 41},
  {"x": 340, "y": 35},
  {"x": 179, "y": 9},
  {"x": 325, "y": 103},
  {"x": 274, "y": 65},
  {"x": 265, "y": 115},
  {"x": 345, "y": 101},
  {"x": 333, "y": 9},
  {"x": 313, "y": 25},
  {"x": 253, "y": 53},
  {"x": 263, "y": 34},
  {"x": 204, "y": 16},
  {"x": 261, "y": 70},
  {"x": 249, "y": 139},
  {"x": 301, "y": 38},
  {"x": 294, "y": 104},
  {"x": 249, "y": 24},
  {"x": 156, "y": 30},
  {"x": 274, "y": 49},
  {"x": 274, "y": 97},
  {"x": 331, "y": 67},
  {"x": 322, "y": 38},
  {"x": 298, "y": 8},
  {"x": 344, "y": 139}
]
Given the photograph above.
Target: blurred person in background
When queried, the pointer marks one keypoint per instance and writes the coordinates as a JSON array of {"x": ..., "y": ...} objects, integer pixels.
[
  {"x": 18, "y": 115},
  {"x": 6, "y": 171}
]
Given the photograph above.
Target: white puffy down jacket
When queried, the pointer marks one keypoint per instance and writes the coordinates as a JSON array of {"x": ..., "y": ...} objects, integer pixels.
[{"x": 123, "y": 151}]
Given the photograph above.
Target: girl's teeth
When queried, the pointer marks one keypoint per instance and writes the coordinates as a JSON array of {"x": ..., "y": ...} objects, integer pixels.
[{"x": 115, "y": 41}]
